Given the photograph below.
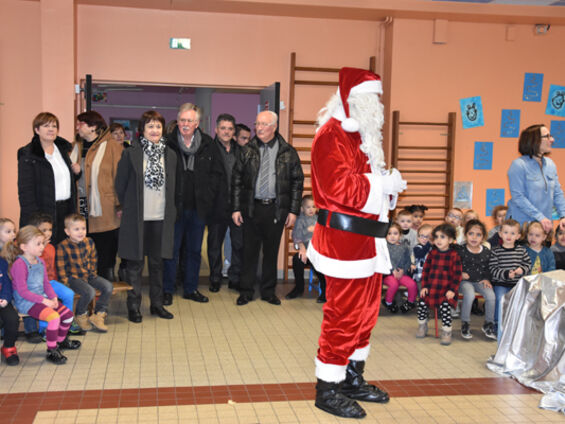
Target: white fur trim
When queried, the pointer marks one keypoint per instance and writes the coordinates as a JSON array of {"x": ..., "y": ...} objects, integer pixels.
[
  {"x": 350, "y": 125},
  {"x": 371, "y": 86},
  {"x": 330, "y": 373},
  {"x": 360, "y": 268},
  {"x": 376, "y": 198},
  {"x": 361, "y": 354}
]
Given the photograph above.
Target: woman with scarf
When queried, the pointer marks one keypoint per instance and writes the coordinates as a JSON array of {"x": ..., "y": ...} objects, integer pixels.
[
  {"x": 145, "y": 184},
  {"x": 98, "y": 156}
]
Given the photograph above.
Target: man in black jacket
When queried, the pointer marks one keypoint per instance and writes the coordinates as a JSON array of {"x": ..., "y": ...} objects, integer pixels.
[
  {"x": 227, "y": 149},
  {"x": 199, "y": 174},
  {"x": 267, "y": 183}
]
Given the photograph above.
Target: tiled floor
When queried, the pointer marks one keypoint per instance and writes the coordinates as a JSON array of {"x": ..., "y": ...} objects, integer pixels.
[{"x": 221, "y": 363}]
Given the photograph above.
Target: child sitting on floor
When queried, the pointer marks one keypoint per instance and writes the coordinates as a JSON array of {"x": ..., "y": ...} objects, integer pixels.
[
  {"x": 541, "y": 257},
  {"x": 475, "y": 259},
  {"x": 400, "y": 259},
  {"x": 440, "y": 280},
  {"x": 33, "y": 295}
]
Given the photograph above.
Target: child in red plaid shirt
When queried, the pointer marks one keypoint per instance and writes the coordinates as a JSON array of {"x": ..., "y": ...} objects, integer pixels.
[{"x": 440, "y": 281}]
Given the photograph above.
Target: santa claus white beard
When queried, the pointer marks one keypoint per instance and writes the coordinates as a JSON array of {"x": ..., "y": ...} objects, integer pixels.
[{"x": 367, "y": 109}]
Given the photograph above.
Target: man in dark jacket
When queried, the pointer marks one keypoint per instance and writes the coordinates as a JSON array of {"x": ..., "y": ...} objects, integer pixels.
[
  {"x": 227, "y": 149},
  {"x": 267, "y": 183},
  {"x": 199, "y": 173}
]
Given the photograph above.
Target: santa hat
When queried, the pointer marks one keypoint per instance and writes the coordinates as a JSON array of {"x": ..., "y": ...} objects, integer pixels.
[{"x": 353, "y": 81}]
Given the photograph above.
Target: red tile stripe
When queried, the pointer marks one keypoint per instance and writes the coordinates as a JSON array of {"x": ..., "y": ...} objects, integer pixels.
[{"x": 21, "y": 408}]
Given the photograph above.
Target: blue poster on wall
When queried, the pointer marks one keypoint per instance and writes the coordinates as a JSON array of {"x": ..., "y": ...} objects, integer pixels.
[
  {"x": 510, "y": 123},
  {"x": 557, "y": 130},
  {"x": 472, "y": 112},
  {"x": 533, "y": 84},
  {"x": 483, "y": 155},
  {"x": 495, "y": 197},
  {"x": 556, "y": 101}
]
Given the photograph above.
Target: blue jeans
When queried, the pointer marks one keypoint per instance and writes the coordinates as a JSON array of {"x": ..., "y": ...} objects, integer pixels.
[
  {"x": 189, "y": 231},
  {"x": 67, "y": 297},
  {"x": 499, "y": 292},
  {"x": 468, "y": 289}
]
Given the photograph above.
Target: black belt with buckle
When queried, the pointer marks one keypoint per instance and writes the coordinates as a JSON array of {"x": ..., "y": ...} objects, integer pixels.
[
  {"x": 265, "y": 201},
  {"x": 353, "y": 224}
]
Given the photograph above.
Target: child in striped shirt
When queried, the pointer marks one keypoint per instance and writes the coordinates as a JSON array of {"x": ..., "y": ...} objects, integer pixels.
[{"x": 508, "y": 262}]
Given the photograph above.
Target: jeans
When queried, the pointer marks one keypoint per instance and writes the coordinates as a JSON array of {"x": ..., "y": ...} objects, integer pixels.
[
  {"x": 499, "y": 292},
  {"x": 87, "y": 290},
  {"x": 217, "y": 235},
  {"x": 468, "y": 289},
  {"x": 189, "y": 230}
]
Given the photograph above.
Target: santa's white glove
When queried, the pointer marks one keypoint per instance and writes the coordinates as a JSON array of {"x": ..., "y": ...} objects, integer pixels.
[{"x": 392, "y": 182}]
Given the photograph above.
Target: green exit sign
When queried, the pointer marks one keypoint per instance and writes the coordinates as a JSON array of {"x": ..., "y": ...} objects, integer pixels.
[{"x": 180, "y": 43}]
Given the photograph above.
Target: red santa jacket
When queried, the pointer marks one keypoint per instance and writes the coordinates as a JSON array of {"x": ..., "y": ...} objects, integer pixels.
[{"x": 342, "y": 181}]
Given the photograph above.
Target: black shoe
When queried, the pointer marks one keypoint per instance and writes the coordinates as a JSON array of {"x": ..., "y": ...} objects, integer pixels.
[
  {"x": 196, "y": 296},
  {"x": 466, "y": 330},
  {"x": 134, "y": 315},
  {"x": 167, "y": 299},
  {"x": 69, "y": 344},
  {"x": 407, "y": 307},
  {"x": 34, "y": 337},
  {"x": 214, "y": 286},
  {"x": 243, "y": 300},
  {"x": 161, "y": 312},
  {"x": 294, "y": 293},
  {"x": 321, "y": 299},
  {"x": 273, "y": 300},
  {"x": 55, "y": 356},
  {"x": 392, "y": 308},
  {"x": 355, "y": 386},
  {"x": 330, "y": 399},
  {"x": 233, "y": 285}
]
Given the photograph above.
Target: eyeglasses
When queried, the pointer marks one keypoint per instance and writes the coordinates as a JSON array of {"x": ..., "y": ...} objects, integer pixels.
[
  {"x": 548, "y": 136},
  {"x": 452, "y": 216},
  {"x": 263, "y": 124},
  {"x": 188, "y": 121},
  {"x": 424, "y": 237}
]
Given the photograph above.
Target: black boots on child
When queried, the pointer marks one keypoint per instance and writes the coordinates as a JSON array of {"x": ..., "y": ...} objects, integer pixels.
[{"x": 340, "y": 398}]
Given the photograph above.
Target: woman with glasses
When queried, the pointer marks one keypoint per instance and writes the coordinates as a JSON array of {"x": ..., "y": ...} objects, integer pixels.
[{"x": 534, "y": 185}]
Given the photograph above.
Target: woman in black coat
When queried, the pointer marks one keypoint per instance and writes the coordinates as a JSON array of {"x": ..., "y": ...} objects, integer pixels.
[
  {"x": 46, "y": 177},
  {"x": 145, "y": 185}
]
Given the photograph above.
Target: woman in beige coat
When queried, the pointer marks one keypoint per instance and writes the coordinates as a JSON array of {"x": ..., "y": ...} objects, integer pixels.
[{"x": 98, "y": 155}]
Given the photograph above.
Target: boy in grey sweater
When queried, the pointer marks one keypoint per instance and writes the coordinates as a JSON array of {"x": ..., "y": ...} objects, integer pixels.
[{"x": 301, "y": 235}]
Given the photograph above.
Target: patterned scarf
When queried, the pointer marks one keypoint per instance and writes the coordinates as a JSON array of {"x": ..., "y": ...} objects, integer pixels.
[{"x": 154, "y": 171}]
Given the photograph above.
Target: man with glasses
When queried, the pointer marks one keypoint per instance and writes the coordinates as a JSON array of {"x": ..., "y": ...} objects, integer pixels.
[
  {"x": 266, "y": 195},
  {"x": 199, "y": 173}
]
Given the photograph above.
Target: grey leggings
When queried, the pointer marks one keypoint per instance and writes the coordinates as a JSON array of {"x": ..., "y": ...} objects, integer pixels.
[{"x": 468, "y": 289}]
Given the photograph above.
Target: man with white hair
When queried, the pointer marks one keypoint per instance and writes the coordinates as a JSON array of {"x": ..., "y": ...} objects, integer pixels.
[
  {"x": 267, "y": 182},
  {"x": 354, "y": 192}
]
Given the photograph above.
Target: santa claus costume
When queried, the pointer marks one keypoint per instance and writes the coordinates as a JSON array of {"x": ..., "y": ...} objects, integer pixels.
[{"x": 354, "y": 192}]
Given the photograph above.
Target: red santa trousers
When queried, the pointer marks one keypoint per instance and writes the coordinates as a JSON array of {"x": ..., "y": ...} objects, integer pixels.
[{"x": 350, "y": 314}]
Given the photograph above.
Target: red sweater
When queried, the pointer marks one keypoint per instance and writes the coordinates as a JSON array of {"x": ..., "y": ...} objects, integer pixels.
[{"x": 49, "y": 259}]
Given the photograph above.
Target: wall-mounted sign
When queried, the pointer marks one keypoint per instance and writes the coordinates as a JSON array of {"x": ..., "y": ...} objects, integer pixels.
[{"x": 180, "y": 43}]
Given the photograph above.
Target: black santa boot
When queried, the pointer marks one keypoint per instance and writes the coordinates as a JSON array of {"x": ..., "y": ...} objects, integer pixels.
[
  {"x": 355, "y": 386},
  {"x": 330, "y": 399}
]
